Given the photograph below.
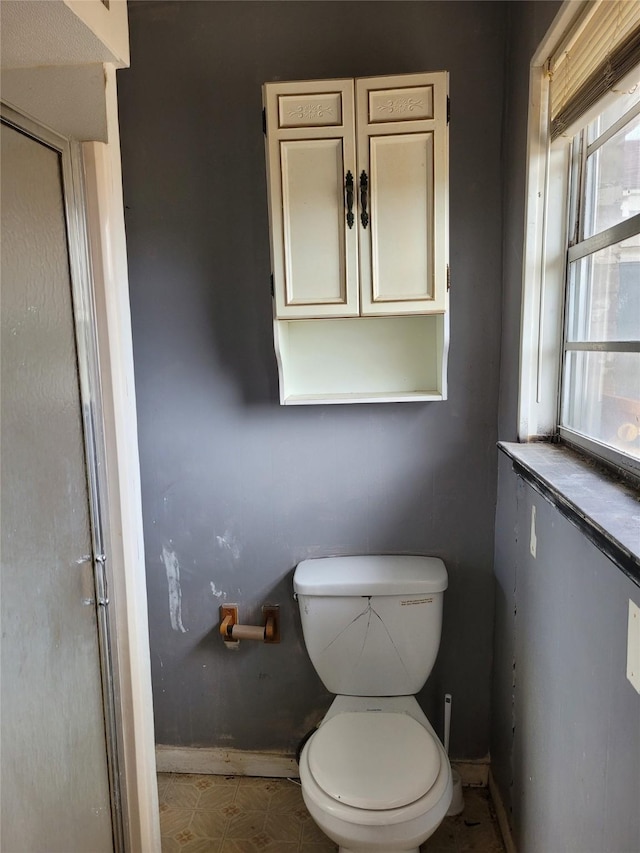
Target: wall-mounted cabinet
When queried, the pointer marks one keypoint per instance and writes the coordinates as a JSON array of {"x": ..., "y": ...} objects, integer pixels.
[{"x": 358, "y": 202}]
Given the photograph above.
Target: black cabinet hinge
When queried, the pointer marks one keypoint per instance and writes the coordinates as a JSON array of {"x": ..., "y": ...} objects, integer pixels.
[
  {"x": 264, "y": 121},
  {"x": 448, "y": 109},
  {"x": 272, "y": 288},
  {"x": 448, "y": 278}
]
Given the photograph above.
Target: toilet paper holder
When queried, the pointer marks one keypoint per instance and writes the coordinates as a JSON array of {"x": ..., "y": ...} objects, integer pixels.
[{"x": 232, "y": 632}]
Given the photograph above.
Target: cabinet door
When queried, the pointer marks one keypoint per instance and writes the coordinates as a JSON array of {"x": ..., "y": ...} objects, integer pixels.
[
  {"x": 311, "y": 154},
  {"x": 402, "y": 158}
]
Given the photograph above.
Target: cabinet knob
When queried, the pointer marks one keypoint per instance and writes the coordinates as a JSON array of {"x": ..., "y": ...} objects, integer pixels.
[{"x": 364, "y": 190}]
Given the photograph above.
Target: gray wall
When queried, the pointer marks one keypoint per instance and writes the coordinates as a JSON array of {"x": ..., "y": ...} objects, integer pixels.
[
  {"x": 565, "y": 747},
  {"x": 237, "y": 489},
  {"x": 565, "y": 722}
]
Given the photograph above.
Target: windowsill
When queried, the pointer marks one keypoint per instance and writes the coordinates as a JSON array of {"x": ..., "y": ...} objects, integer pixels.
[{"x": 605, "y": 509}]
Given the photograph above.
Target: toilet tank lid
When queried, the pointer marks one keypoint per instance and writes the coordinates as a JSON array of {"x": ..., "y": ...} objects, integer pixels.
[{"x": 370, "y": 575}]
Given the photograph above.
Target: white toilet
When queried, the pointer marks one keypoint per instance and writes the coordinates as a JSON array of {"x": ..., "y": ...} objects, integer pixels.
[{"x": 374, "y": 775}]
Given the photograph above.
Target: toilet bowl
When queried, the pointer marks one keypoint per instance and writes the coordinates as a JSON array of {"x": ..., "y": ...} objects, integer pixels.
[{"x": 375, "y": 777}]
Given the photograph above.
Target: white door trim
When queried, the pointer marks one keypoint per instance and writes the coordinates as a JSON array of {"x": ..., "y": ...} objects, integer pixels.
[{"x": 106, "y": 231}]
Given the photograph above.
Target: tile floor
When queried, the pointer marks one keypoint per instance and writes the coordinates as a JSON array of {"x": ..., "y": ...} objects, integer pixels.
[{"x": 240, "y": 814}]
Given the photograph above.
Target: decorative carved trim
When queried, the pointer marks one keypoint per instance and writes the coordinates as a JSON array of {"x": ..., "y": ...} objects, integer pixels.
[
  {"x": 311, "y": 111},
  {"x": 400, "y": 105}
]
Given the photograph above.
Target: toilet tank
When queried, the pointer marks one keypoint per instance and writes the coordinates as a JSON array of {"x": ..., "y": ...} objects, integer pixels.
[{"x": 371, "y": 624}]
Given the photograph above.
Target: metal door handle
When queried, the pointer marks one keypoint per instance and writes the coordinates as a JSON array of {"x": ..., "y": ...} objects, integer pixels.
[
  {"x": 364, "y": 189},
  {"x": 348, "y": 192}
]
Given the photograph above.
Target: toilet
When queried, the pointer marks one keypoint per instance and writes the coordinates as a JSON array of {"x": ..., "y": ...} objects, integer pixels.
[{"x": 374, "y": 775}]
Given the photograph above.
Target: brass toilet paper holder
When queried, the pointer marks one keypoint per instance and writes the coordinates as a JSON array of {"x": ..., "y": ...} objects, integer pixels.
[{"x": 232, "y": 632}]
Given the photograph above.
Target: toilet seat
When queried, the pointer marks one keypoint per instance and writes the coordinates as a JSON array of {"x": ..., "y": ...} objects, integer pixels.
[{"x": 374, "y": 760}]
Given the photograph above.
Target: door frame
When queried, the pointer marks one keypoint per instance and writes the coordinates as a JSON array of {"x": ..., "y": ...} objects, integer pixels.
[{"x": 94, "y": 213}]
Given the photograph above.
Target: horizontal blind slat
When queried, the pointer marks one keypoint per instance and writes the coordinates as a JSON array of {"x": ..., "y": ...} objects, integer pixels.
[
  {"x": 576, "y": 70},
  {"x": 601, "y": 81},
  {"x": 607, "y": 18},
  {"x": 590, "y": 50}
]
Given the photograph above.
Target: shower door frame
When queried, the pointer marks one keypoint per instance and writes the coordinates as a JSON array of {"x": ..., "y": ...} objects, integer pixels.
[{"x": 91, "y": 207}]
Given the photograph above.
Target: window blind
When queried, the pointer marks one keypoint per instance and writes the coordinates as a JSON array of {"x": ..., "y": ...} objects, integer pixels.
[{"x": 600, "y": 49}]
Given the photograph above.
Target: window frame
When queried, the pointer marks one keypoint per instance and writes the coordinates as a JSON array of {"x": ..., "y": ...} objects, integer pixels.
[{"x": 546, "y": 241}]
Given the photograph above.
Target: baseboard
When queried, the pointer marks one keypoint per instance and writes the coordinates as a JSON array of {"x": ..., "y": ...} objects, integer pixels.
[
  {"x": 501, "y": 816},
  {"x": 474, "y": 774},
  {"x": 224, "y": 762},
  {"x": 241, "y": 762}
]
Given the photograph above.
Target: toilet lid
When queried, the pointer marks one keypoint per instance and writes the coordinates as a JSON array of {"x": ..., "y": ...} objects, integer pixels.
[{"x": 374, "y": 760}]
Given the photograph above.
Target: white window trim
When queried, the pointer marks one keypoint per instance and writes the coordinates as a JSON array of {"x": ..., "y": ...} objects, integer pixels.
[{"x": 544, "y": 255}]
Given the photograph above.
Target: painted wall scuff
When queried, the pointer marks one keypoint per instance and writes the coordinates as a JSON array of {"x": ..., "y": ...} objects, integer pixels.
[{"x": 172, "y": 568}]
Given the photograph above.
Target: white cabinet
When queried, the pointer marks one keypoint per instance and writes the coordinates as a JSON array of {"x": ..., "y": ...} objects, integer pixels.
[
  {"x": 402, "y": 150},
  {"x": 311, "y": 149},
  {"x": 358, "y": 191}
]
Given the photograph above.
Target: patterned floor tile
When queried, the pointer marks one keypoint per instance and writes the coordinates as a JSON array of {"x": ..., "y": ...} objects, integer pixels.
[
  {"x": 250, "y": 846},
  {"x": 287, "y": 800},
  {"x": 227, "y": 814},
  {"x": 250, "y": 797},
  {"x": 163, "y": 781},
  {"x": 204, "y": 783},
  {"x": 312, "y": 834},
  {"x": 216, "y": 797},
  {"x": 230, "y": 781},
  {"x": 185, "y": 836},
  {"x": 182, "y": 795},
  {"x": 209, "y": 823},
  {"x": 283, "y": 827},
  {"x": 245, "y": 825},
  {"x": 173, "y": 821},
  {"x": 265, "y": 782},
  {"x": 201, "y": 845}
]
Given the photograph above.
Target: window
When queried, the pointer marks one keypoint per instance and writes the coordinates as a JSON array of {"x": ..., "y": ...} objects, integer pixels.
[
  {"x": 580, "y": 376},
  {"x": 600, "y": 377}
]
